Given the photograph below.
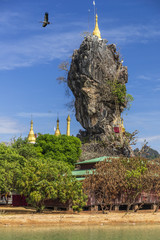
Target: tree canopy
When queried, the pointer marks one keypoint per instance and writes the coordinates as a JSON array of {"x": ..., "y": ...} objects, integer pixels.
[
  {"x": 62, "y": 148},
  {"x": 42, "y": 171},
  {"x": 122, "y": 180},
  {"x": 41, "y": 179}
]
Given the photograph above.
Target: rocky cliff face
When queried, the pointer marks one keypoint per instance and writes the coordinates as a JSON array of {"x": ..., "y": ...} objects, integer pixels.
[{"x": 94, "y": 68}]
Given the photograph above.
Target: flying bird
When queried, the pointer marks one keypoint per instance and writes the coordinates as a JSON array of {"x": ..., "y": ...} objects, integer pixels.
[{"x": 45, "y": 22}]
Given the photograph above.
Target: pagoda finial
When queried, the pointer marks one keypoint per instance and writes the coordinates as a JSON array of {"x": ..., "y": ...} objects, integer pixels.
[
  {"x": 96, "y": 31},
  {"x": 31, "y": 136},
  {"x": 57, "y": 132},
  {"x": 68, "y": 125}
]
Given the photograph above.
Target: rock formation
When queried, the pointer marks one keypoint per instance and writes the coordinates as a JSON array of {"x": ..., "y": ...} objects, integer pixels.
[{"x": 94, "y": 69}]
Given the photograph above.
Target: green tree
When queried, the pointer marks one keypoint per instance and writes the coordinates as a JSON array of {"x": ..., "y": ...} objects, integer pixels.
[
  {"x": 135, "y": 179},
  {"x": 43, "y": 179},
  {"x": 62, "y": 148},
  {"x": 72, "y": 192},
  {"x": 106, "y": 184},
  {"x": 129, "y": 100},
  {"x": 153, "y": 178},
  {"x": 24, "y": 170},
  {"x": 26, "y": 149},
  {"x": 7, "y": 178},
  {"x": 117, "y": 181},
  {"x": 9, "y": 154},
  {"x": 9, "y": 164}
]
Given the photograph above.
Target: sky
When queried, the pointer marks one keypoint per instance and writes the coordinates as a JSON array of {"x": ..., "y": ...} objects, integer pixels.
[{"x": 30, "y": 56}]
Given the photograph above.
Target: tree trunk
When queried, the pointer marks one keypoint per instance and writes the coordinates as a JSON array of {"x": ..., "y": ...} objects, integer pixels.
[
  {"x": 135, "y": 210},
  {"x": 110, "y": 207},
  {"x": 128, "y": 207},
  {"x": 40, "y": 207},
  {"x": 157, "y": 207}
]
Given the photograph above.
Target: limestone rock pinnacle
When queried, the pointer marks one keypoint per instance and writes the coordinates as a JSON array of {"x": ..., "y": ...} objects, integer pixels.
[{"x": 93, "y": 69}]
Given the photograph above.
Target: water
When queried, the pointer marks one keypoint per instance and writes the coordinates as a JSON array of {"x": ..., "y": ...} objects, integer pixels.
[{"x": 122, "y": 232}]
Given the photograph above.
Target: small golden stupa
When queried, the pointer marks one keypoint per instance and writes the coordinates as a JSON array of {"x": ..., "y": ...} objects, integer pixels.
[
  {"x": 96, "y": 31},
  {"x": 57, "y": 132},
  {"x": 31, "y": 136},
  {"x": 68, "y": 125},
  {"x": 122, "y": 126}
]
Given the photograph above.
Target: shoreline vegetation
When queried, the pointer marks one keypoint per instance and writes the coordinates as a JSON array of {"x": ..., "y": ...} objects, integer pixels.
[{"x": 27, "y": 217}]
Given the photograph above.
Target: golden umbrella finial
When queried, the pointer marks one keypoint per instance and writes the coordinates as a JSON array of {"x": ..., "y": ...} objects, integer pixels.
[{"x": 96, "y": 31}]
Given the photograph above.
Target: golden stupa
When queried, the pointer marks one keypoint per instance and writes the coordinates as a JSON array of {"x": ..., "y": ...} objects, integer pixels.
[
  {"x": 122, "y": 126},
  {"x": 68, "y": 125},
  {"x": 96, "y": 31},
  {"x": 57, "y": 132},
  {"x": 31, "y": 136}
]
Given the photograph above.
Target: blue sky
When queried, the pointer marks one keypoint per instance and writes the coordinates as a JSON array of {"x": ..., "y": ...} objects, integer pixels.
[{"x": 30, "y": 55}]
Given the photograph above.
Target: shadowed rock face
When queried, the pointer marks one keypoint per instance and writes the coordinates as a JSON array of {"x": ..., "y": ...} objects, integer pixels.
[{"x": 94, "y": 66}]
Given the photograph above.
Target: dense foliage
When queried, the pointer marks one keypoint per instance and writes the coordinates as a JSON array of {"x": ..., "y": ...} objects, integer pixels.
[
  {"x": 61, "y": 148},
  {"x": 119, "y": 91},
  {"x": 42, "y": 171},
  {"x": 122, "y": 180},
  {"x": 41, "y": 179}
]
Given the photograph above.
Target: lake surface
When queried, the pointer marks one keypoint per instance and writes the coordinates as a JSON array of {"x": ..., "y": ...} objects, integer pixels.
[{"x": 121, "y": 232}]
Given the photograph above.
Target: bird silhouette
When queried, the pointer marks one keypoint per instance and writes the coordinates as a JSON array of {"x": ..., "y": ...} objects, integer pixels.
[{"x": 45, "y": 22}]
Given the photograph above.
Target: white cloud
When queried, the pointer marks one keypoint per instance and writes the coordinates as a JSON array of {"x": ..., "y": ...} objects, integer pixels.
[
  {"x": 144, "y": 119},
  {"x": 157, "y": 88},
  {"x": 42, "y": 114},
  {"x": 149, "y": 139},
  {"x": 26, "y": 44},
  {"x": 9, "y": 126},
  {"x": 133, "y": 33},
  {"x": 9, "y": 18},
  {"x": 144, "y": 77},
  {"x": 147, "y": 123},
  {"x": 37, "y": 49},
  {"x": 150, "y": 77}
]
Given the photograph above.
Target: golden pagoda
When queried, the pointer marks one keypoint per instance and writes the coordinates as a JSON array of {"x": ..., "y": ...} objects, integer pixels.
[
  {"x": 57, "y": 132},
  {"x": 122, "y": 126},
  {"x": 96, "y": 31},
  {"x": 31, "y": 136},
  {"x": 68, "y": 125}
]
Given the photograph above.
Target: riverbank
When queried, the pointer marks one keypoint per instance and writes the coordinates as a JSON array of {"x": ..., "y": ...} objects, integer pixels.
[{"x": 30, "y": 218}]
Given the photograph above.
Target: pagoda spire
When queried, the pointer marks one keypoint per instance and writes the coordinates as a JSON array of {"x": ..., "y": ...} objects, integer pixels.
[
  {"x": 96, "y": 31},
  {"x": 57, "y": 132},
  {"x": 68, "y": 125},
  {"x": 31, "y": 136}
]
